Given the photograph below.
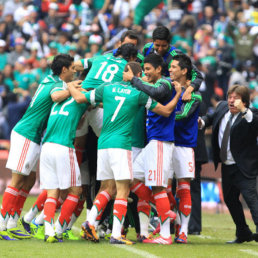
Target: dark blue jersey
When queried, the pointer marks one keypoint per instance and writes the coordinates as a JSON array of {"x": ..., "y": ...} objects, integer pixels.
[{"x": 186, "y": 125}]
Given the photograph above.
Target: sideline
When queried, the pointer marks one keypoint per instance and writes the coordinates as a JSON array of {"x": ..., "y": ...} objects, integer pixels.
[{"x": 251, "y": 252}]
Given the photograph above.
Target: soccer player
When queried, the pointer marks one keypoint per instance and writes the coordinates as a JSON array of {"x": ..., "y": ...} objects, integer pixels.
[
  {"x": 155, "y": 161},
  {"x": 59, "y": 168},
  {"x": 25, "y": 145},
  {"x": 186, "y": 131},
  {"x": 161, "y": 37},
  {"x": 120, "y": 103}
]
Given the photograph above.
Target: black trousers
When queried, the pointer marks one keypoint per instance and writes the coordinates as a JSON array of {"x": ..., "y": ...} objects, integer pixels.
[
  {"x": 195, "y": 223},
  {"x": 234, "y": 183}
]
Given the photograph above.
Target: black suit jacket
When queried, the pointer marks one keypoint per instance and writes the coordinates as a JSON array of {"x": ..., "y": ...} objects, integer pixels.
[{"x": 243, "y": 139}]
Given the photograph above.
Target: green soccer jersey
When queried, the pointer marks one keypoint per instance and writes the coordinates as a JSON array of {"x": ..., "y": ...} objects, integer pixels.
[
  {"x": 34, "y": 121},
  {"x": 106, "y": 68},
  {"x": 139, "y": 129},
  {"x": 120, "y": 103},
  {"x": 63, "y": 120}
]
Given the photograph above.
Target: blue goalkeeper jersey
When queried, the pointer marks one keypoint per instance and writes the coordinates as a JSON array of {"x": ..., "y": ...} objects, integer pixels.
[
  {"x": 159, "y": 127},
  {"x": 186, "y": 126}
]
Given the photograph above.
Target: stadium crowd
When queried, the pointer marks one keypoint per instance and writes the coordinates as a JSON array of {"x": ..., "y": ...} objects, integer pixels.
[{"x": 220, "y": 37}]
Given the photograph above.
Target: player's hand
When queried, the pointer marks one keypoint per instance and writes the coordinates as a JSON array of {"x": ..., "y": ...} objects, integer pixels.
[
  {"x": 128, "y": 76},
  {"x": 239, "y": 105},
  {"x": 75, "y": 84},
  {"x": 200, "y": 123},
  {"x": 145, "y": 79},
  {"x": 178, "y": 87},
  {"x": 187, "y": 94}
]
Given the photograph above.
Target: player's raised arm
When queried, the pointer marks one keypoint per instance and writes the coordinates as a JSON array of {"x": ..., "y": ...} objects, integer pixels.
[{"x": 168, "y": 109}]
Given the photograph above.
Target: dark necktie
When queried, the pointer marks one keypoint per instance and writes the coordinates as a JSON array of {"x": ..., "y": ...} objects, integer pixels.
[{"x": 224, "y": 143}]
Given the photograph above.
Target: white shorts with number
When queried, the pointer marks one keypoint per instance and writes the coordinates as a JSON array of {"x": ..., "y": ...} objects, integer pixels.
[
  {"x": 114, "y": 163},
  {"x": 58, "y": 167},
  {"x": 94, "y": 118},
  {"x": 23, "y": 155},
  {"x": 154, "y": 163},
  {"x": 183, "y": 162}
]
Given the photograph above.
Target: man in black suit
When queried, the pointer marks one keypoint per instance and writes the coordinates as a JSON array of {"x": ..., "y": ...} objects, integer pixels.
[{"x": 234, "y": 142}]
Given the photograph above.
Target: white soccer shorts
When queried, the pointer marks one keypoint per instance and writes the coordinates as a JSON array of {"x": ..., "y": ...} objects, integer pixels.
[
  {"x": 154, "y": 163},
  {"x": 183, "y": 162},
  {"x": 58, "y": 167},
  {"x": 23, "y": 154},
  {"x": 94, "y": 118},
  {"x": 114, "y": 163}
]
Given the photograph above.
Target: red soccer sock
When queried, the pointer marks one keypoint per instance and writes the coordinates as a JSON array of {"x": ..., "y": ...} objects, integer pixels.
[
  {"x": 79, "y": 208},
  {"x": 20, "y": 200},
  {"x": 119, "y": 212},
  {"x": 144, "y": 207},
  {"x": 171, "y": 197},
  {"x": 101, "y": 201},
  {"x": 143, "y": 192},
  {"x": 68, "y": 208},
  {"x": 162, "y": 205},
  {"x": 39, "y": 204},
  {"x": 50, "y": 209},
  {"x": 59, "y": 203},
  {"x": 9, "y": 200},
  {"x": 184, "y": 195}
]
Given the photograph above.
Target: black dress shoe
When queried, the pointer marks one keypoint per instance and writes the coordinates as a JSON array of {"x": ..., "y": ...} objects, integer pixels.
[
  {"x": 241, "y": 240},
  {"x": 255, "y": 237}
]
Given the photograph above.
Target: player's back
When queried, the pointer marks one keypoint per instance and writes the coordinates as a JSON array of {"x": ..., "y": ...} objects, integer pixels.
[
  {"x": 106, "y": 68},
  {"x": 121, "y": 102},
  {"x": 34, "y": 121},
  {"x": 63, "y": 121}
]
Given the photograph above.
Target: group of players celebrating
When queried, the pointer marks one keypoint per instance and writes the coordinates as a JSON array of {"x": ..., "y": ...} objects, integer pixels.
[{"x": 112, "y": 99}]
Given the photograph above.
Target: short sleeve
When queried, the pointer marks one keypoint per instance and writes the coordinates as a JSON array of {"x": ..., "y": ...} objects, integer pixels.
[
  {"x": 58, "y": 86},
  {"x": 148, "y": 102}
]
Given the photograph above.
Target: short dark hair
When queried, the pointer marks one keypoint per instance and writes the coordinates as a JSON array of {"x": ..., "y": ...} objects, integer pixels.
[
  {"x": 184, "y": 61},
  {"x": 60, "y": 61},
  {"x": 242, "y": 91},
  {"x": 127, "y": 51},
  {"x": 131, "y": 34},
  {"x": 155, "y": 60},
  {"x": 135, "y": 66},
  {"x": 161, "y": 33}
]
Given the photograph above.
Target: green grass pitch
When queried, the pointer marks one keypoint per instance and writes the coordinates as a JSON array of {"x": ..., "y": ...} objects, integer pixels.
[{"x": 217, "y": 229}]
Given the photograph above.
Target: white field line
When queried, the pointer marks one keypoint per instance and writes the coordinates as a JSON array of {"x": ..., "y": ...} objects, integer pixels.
[
  {"x": 251, "y": 252},
  {"x": 136, "y": 251},
  {"x": 130, "y": 249}
]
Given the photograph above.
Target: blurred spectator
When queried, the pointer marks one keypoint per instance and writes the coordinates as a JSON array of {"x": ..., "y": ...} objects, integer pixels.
[
  {"x": 16, "y": 107},
  {"x": 243, "y": 41},
  {"x": 23, "y": 78},
  {"x": 42, "y": 71},
  {"x": 209, "y": 16},
  {"x": 3, "y": 55},
  {"x": 18, "y": 51},
  {"x": 9, "y": 77},
  {"x": 237, "y": 76},
  {"x": 225, "y": 60},
  {"x": 181, "y": 41},
  {"x": 52, "y": 21}
]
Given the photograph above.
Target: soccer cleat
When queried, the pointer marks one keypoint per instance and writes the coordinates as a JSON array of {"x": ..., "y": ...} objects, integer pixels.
[
  {"x": 182, "y": 239},
  {"x": 38, "y": 231},
  {"x": 90, "y": 232},
  {"x": 17, "y": 233},
  {"x": 83, "y": 235},
  {"x": 68, "y": 234},
  {"x": 120, "y": 241},
  {"x": 5, "y": 235},
  {"x": 159, "y": 240},
  {"x": 141, "y": 238},
  {"x": 53, "y": 239},
  {"x": 25, "y": 225}
]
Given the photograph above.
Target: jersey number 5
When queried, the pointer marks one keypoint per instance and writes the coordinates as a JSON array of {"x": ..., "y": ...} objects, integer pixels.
[{"x": 121, "y": 99}]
